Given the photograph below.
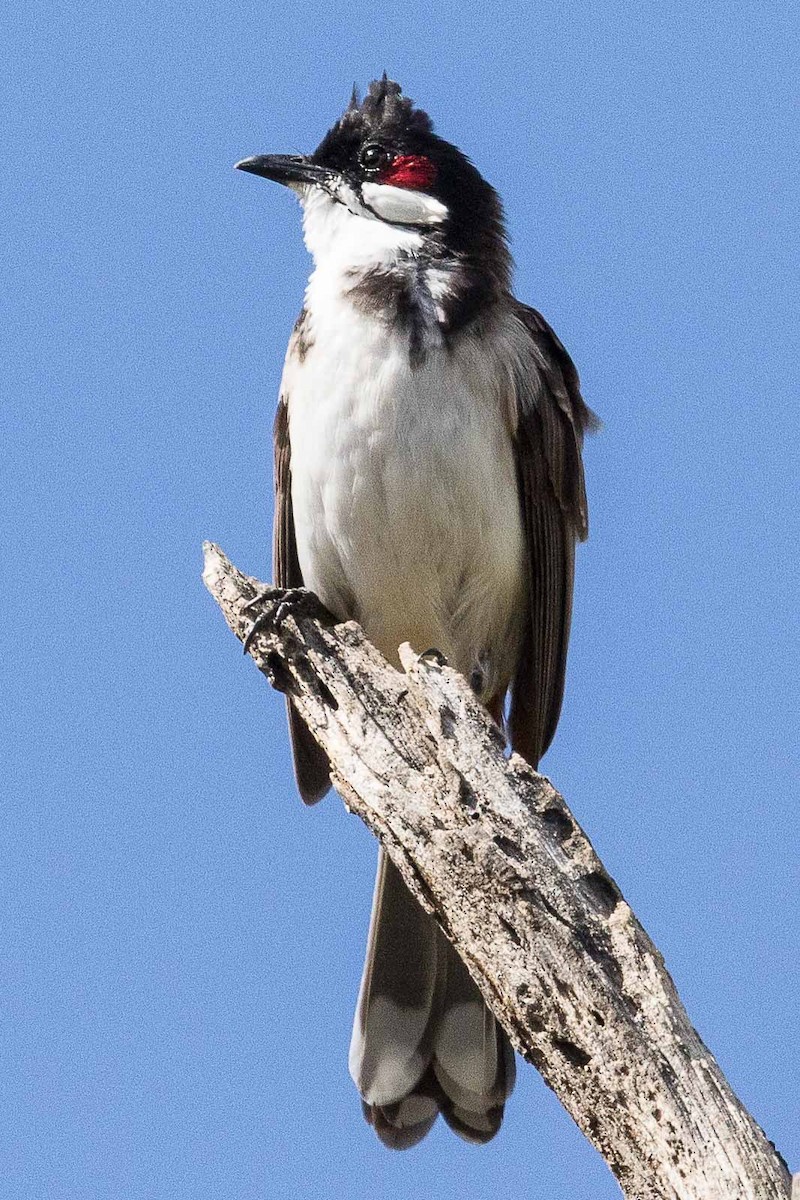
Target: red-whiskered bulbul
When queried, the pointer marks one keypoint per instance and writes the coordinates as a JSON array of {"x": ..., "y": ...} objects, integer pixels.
[{"x": 429, "y": 485}]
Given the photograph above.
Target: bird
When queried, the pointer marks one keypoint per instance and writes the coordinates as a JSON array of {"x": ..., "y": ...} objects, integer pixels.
[{"x": 428, "y": 485}]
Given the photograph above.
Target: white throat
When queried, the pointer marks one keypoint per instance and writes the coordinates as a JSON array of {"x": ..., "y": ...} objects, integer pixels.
[{"x": 335, "y": 234}]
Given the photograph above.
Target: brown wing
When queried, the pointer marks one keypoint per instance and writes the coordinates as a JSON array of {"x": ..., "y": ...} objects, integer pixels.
[
  {"x": 551, "y": 421},
  {"x": 311, "y": 766}
]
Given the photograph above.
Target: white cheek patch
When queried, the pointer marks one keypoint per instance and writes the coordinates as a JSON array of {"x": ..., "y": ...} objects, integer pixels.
[{"x": 402, "y": 206}]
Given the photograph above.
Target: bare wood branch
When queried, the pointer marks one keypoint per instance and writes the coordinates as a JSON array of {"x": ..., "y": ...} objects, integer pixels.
[{"x": 490, "y": 848}]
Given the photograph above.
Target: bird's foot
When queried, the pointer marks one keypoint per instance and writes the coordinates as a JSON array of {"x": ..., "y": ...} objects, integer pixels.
[{"x": 274, "y": 617}]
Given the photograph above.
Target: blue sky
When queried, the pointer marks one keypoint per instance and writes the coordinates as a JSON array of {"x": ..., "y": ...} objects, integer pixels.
[{"x": 182, "y": 939}]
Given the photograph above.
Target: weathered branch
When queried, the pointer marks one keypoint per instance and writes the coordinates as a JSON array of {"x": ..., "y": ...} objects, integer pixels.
[{"x": 490, "y": 848}]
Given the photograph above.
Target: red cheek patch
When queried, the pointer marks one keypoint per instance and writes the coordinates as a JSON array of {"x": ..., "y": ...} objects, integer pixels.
[{"x": 409, "y": 171}]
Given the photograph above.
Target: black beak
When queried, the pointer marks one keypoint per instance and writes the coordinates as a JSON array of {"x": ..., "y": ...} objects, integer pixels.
[{"x": 285, "y": 168}]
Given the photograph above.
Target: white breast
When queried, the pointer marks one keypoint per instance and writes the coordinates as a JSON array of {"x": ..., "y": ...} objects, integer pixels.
[{"x": 404, "y": 488}]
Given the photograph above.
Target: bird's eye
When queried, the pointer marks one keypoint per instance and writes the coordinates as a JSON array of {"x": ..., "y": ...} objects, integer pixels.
[{"x": 373, "y": 156}]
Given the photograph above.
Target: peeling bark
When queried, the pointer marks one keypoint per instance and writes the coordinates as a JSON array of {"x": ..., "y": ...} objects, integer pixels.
[{"x": 491, "y": 849}]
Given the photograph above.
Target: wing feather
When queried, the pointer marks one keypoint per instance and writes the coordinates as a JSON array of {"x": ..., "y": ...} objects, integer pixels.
[
  {"x": 551, "y": 419},
  {"x": 311, "y": 766}
]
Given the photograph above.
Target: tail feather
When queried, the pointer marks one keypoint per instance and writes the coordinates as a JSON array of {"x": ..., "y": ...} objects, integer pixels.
[
  {"x": 423, "y": 1040},
  {"x": 400, "y": 1126},
  {"x": 391, "y": 1044},
  {"x": 468, "y": 1059}
]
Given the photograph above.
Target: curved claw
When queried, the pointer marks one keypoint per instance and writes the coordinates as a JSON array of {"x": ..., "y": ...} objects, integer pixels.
[
  {"x": 258, "y": 599},
  {"x": 264, "y": 618}
]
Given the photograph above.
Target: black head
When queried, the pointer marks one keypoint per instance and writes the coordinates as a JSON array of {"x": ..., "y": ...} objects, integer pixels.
[{"x": 383, "y": 158}]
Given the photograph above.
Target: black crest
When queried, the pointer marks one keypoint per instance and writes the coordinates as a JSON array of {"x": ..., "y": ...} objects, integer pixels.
[{"x": 384, "y": 113}]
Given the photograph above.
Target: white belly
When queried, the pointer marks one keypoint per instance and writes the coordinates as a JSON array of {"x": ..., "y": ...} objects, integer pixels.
[{"x": 404, "y": 493}]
